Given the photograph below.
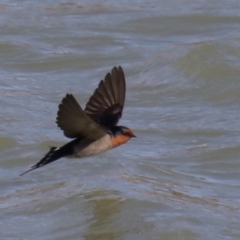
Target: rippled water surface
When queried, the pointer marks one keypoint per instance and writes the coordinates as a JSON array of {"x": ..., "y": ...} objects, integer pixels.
[{"x": 179, "y": 179}]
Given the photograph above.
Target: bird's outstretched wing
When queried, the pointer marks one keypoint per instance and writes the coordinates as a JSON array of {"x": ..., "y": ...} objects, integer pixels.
[
  {"x": 105, "y": 106},
  {"x": 75, "y": 123}
]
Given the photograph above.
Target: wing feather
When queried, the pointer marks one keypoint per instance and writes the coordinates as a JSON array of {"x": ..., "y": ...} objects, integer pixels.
[
  {"x": 106, "y": 104},
  {"x": 74, "y": 122}
]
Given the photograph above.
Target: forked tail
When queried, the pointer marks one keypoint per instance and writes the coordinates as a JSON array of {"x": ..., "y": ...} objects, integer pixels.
[{"x": 54, "y": 154}]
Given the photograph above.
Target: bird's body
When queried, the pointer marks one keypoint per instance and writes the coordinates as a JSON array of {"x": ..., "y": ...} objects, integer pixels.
[
  {"x": 93, "y": 129},
  {"x": 101, "y": 145}
]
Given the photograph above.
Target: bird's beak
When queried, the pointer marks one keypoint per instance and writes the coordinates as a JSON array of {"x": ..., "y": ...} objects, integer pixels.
[{"x": 133, "y": 136}]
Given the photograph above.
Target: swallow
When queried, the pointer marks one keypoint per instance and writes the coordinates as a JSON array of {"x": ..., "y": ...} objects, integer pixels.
[{"x": 94, "y": 129}]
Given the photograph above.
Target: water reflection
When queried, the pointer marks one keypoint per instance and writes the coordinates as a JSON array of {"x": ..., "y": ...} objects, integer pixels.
[{"x": 106, "y": 205}]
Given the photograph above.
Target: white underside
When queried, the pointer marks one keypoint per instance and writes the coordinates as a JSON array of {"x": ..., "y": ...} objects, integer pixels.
[{"x": 99, "y": 146}]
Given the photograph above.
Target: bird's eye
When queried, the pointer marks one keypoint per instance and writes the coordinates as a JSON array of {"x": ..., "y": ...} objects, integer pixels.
[{"x": 126, "y": 133}]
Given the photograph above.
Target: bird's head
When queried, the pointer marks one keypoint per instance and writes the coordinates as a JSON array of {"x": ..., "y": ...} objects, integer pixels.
[{"x": 121, "y": 135}]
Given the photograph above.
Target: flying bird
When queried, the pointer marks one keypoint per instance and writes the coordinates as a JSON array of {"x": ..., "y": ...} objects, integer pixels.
[{"x": 94, "y": 129}]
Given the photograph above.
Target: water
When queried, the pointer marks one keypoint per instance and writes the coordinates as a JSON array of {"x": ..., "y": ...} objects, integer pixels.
[{"x": 179, "y": 179}]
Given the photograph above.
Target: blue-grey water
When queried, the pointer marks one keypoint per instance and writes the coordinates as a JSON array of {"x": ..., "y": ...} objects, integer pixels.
[{"x": 179, "y": 179}]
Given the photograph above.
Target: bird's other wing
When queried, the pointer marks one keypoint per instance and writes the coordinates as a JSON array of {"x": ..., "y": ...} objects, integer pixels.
[
  {"x": 105, "y": 106},
  {"x": 75, "y": 123}
]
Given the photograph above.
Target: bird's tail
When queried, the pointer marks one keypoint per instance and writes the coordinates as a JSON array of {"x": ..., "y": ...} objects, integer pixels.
[{"x": 54, "y": 154}]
